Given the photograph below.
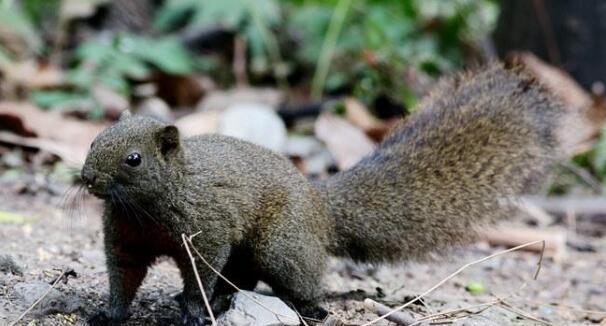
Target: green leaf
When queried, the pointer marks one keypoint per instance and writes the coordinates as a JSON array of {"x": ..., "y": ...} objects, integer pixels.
[
  {"x": 474, "y": 287},
  {"x": 598, "y": 159},
  {"x": 94, "y": 51},
  {"x": 52, "y": 98},
  {"x": 14, "y": 22},
  {"x": 409, "y": 99},
  {"x": 14, "y": 218},
  {"x": 167, "y": 53},
  {"x": 5, "y": 58},
  {"x": 171, "y": 11}
]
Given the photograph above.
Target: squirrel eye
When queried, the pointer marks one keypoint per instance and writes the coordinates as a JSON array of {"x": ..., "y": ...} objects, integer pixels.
[{"x": 133, "y": 159}]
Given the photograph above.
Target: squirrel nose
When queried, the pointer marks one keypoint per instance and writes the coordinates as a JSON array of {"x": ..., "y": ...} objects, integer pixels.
[{"x": 88, "y": 177}]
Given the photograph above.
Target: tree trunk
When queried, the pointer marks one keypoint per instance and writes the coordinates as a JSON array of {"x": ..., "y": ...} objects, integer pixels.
[{"x": 566, "y": 33}]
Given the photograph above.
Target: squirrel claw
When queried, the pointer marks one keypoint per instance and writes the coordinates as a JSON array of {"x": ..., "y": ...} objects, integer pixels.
[{"x": 188, "y": 319}]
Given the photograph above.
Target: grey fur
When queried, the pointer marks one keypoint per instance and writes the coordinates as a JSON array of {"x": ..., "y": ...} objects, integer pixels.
[{"x": 478, "y": 138}]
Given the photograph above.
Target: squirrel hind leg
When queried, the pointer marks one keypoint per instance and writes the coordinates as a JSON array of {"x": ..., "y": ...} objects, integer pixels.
[
  {"x": 295, "y": 274},
  {"x": 239, "y": 270}
]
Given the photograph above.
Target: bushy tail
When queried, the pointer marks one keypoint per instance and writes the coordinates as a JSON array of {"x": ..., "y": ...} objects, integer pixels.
[{"x": 477, "y": 140}]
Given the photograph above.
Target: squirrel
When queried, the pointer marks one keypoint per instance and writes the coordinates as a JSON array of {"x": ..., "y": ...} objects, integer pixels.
[{"x": 480, "y": 138}]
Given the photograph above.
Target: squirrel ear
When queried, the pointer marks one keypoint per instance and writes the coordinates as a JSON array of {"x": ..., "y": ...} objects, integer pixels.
[
  {"x": 168, "y": 139},
  {"x": 125, "y": 115}
]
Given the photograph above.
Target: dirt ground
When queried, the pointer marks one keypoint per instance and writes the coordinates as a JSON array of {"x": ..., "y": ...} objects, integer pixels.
[{"x": 569, "y": 291}]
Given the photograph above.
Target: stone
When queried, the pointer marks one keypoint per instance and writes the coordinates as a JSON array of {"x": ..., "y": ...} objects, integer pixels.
[
  {"x": 53, "y": 302},
  {"x": 255, "y": 123},
  {"x": 244, "y": 311},
  {"x": 8, "y": 265},
  {"x": 221, "y": 100},
  {"x": 156, "y": 108},
  {"x": 302, "y": 146}
]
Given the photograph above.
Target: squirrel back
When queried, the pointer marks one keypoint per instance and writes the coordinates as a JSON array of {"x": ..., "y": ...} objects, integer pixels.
[{"x": 477, "y": 141}]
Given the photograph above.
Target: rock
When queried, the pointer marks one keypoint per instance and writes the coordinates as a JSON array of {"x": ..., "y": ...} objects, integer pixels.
[
  {"x": 221, "y": 100},
  {"x": 53, "y": 302},
  {"x": 244, "y": 311},
  {"x": 13, "y": 159},
  {"x": 302, "y": 146},
  {"x": 155, "y": 108},
  {"x": 8, "y": 265},
  {"x": 255, "y": 123},
  {"x": 198, "y": 123},
  {"x": 318, "y": 163}
]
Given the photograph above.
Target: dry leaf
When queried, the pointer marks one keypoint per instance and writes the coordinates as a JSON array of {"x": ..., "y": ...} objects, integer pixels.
[
  {"x": 64, "y": 136},
  {"x": 357, "y": 114},
  {"x": 346, "y": 142},
  {"x": 511, "y": 236},
  {"x": 33, "y": 75}
]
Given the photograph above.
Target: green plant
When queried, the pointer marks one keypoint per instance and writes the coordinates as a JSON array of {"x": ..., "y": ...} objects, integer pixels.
[
  {"x": 113, "y": 62},
  {"x": 253, "y": 19},
  {"x": 429, "y": 36},
  {"x": 18, "y": 26}
]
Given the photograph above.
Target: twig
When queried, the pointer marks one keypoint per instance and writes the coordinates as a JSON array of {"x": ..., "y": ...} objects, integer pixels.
[
  {"x": 484, "y": 305},
  {"x": 399, "y": 317},
  {"x": 51, "y": 146},
  {"x": 459, "y": 271},
  {"x": 507, "y": 306},
  {"x": 231, "y": 283},
  {"x": 298, "y": 314},
  {"x": 508, "y": 236},
  {"x": 40, "y": 298},
  {"x": 193, "y": 264},
  {"x": 585, "y": 176},
  {"x": 566, "y": 306}
]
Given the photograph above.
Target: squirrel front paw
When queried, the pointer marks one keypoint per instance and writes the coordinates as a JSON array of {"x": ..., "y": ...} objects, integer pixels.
[
  {"x": 189, "y": 319},
  {"x": 313, "y": 312},
  {"x": 101, "y": 319},
  {"x": 189, "y": 316}
]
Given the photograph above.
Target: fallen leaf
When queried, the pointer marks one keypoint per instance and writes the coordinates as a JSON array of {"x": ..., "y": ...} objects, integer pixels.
[
  {"x": 182, "y": 90},
  {"x": 33, "y": 75},
  {"x": 358, "y": 115},
  {"x": 67, "y": 137},
  {"x": 345, "y": 141}
]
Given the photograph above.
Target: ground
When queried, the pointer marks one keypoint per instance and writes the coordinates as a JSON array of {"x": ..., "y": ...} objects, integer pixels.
[{"x": 568, "y": 291}]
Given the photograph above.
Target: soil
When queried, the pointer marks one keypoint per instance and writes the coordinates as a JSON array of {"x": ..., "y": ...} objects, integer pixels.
[{"x": 52, "y": 239}]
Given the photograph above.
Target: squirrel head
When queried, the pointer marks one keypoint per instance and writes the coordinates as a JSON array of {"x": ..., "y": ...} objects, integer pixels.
[{"x": 131, "y": 158}]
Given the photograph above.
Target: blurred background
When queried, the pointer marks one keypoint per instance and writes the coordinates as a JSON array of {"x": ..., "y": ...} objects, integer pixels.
[{"x": 320, "y": 81}]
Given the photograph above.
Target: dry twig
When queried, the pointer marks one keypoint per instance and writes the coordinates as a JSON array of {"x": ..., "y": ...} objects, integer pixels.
[
  {"x": 278, "y": 315},
  {"x": 63, "y": 274},
  {"x": 400, "y": 317},
  {"x": 193, "y": 264},
  {"x": 449, "y": 277}
]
